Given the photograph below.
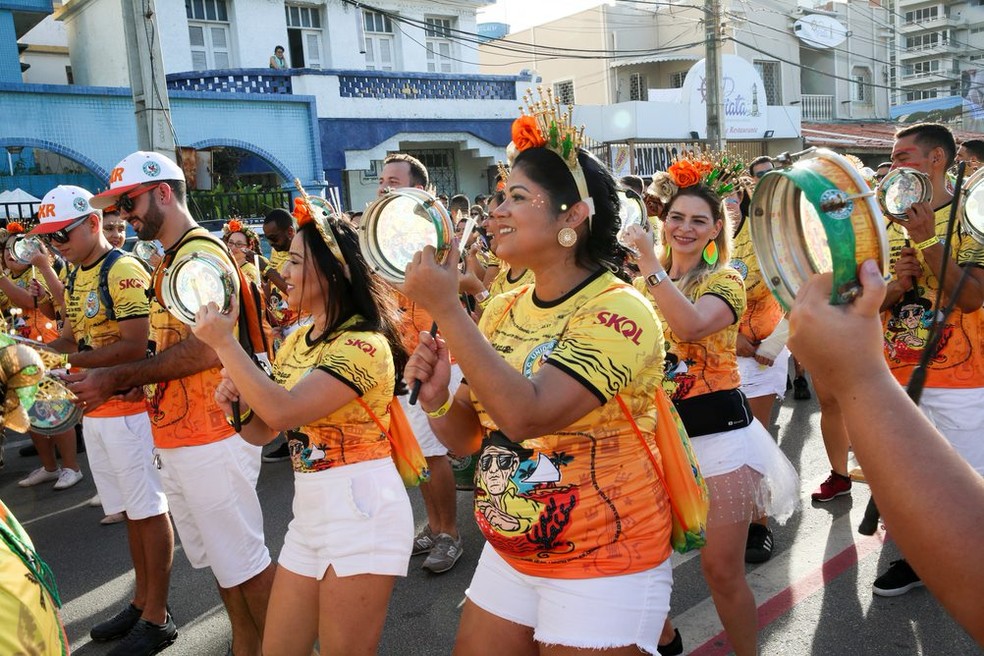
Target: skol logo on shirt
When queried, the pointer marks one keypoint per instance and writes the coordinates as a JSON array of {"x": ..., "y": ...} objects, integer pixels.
[
  {"x": 365, "y": 347},
  {"x": 623, "y": 325},
  {"x": 131, "y": 283}
]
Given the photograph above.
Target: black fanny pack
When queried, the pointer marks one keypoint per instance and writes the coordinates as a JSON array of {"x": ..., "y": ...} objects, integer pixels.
[{"x": 714, "y": 412}]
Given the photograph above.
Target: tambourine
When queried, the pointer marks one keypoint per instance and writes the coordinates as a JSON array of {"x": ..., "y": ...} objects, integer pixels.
[
  {"x": 54, "y": 410},
  {"x": 900, "y": 189},
  {"x": 194, "y": 280},
  {"x": 144, "y": 250},
  {"x": 815, "y": 216},
  {"x": 23, "y": 248},
  {"x": 972, "y": 208},
  {"x": 631, "y": 211},
  {"x": 398, "y": 225}
]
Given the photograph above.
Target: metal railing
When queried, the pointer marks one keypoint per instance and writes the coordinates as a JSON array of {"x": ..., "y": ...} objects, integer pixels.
[
  {"x": 209, "y": 206},
  {"x": 17, "y": 211}
]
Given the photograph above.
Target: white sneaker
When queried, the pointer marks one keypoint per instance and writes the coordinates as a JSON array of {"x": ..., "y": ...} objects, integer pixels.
[
  {"x": 95, "y": 501},
  {"x": 68, "y": 478},
  {"x": 39, "y": 475}
]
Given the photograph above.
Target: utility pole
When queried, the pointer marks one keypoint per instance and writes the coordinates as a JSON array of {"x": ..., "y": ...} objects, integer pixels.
[
  {"x": 712, "y": 71},
  {"x": 147, "y": 82}
]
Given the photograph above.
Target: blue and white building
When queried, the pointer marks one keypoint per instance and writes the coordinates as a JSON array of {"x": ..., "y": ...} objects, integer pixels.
[{"x": 362, "y": 83}]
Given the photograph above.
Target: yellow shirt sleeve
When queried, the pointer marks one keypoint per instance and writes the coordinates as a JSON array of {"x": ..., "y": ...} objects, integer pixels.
[
  {"x": 128, "y": 282},
  {"x": 358, "y": 359}
]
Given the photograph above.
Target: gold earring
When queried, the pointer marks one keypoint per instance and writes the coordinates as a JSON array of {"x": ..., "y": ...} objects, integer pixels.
[{"x": 567, "y": 237}]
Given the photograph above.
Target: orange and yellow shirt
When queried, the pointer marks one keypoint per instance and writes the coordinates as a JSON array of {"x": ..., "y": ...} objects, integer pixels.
[
  {"x": 762, "y": 311},
  {"x": 91, "y": 329},
  {"x": 30, "y": 322},
  {"x": 503, "y": 281},
  {"x": 183, "y": 411},
  {"x": 958, "y": 361},
  {"x": 709, "y": 364},
  {"x": 582, "y": 502},
  {"x": 363, "y": 361}
]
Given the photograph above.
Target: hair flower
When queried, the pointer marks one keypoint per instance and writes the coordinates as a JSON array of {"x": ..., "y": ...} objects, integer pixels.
[
  {"x": 15, "y": 228},
  {"x": 526, "y": 133},
  {"x": 684, "y": 173}
]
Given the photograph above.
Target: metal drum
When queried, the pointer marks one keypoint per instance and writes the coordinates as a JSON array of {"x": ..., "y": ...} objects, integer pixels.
[
  {"x": 144, "y": 250},
  {"x": 194, "y": 280},
  {"x": 398, "y": 225},
  {"x": 815, "y": 216},
  {"x": 23, "y": 248},
  {"x": 900, "y": 189},
  {"x": 631, "y": 211},
  {"x": 54, "y": 410},
  {"x": 972, "y": 209},
  {"x": 463, "y": 469}
]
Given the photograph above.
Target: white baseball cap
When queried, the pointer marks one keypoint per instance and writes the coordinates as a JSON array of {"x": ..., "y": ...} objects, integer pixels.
[
  {"x": 142, "y": 167},
  {"x": 60, "y": 207}
]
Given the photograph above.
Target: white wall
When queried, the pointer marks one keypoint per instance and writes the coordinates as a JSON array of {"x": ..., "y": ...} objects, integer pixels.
[
  {"x": 46, "y": 67},
  {"x": 95, "y": 42}
]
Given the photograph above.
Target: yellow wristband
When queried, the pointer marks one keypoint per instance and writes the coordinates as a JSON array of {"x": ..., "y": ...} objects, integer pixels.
[
  {"x": 244, "y": 418},
  {"x": 443, "y": 410},
  {"x": 932, "y": 241}
]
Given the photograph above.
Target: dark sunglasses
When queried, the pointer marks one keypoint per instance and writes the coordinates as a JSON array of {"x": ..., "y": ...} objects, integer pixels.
[
  {"x": 761, "y": 174},
  {"x": 124, "y": 202},
  {"x": 503, "y": 460},
  {"x": 61, "y": 236}
]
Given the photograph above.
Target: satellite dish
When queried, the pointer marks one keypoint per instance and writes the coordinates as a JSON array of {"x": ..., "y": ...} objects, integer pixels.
[{"x": 820, "y": 31}]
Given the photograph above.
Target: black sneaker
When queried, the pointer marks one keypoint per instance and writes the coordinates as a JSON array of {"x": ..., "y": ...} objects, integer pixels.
[
  {"x": 758, "y": 547},
  {"x": 672, "y": 648},
  {"x": 897, "y": 580},
  {"x": 117, "y": 626},
  {"x": 801, "y": 389},
  {"x": 146, "y": 639},
  {"x": 282, "y": 452}
]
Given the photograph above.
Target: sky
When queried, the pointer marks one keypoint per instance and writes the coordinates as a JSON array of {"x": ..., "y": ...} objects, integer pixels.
[{"x": 521, "y": 14}]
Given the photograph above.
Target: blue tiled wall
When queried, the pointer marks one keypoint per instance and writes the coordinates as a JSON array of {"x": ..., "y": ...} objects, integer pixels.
[
  {"x": 40, "y": 6},
  {"x": 39, "y": 185},
  {"x": 370, "y": 85},
  {"x": 10, "y": 70}
]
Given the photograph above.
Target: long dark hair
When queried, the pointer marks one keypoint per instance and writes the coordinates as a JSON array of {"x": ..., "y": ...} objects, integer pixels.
[
  {"x": 600, "y": 246},
  {"x": 363, "y": 295}
]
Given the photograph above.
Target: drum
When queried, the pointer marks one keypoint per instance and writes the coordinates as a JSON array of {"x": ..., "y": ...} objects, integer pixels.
[
  {"x": 815, "y": 216},
  {"x": 972, "y": 207},
  {"x": 194, "y": 280},
  {"x": 900, "y": 189},
  {"x": 631, "y": 211},
  {"x": 23, "y": 248},
  {"x": 398, "y": 225},
  {"x": 144, "y": 250},
  {"x": 54, "y": 410}
]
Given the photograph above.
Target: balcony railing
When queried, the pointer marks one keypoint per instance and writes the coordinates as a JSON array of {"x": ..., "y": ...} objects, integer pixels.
[
  {"x": 263, "y": 80},
  {"x": 817, "y": 107}
]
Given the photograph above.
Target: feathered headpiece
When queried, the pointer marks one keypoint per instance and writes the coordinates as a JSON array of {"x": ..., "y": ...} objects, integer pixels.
[
  {"x": 543, "y": 124},
  {"x": 719, "y": 171},
  {"x": 235, "y": 225},
  {"x": 502, "y": 176},
  {"x": 316, "y": 209}
]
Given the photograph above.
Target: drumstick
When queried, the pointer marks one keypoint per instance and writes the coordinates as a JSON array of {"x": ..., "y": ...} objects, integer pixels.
[{"x": 465, "y": 235}]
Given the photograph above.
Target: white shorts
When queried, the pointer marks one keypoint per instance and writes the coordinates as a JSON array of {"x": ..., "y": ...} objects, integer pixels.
[
  {"x": 211, "y": 489},
  {"x": 596, "y": 613},
  {"x": 429, "y": 444},
  {"x": 959, "y": 415},
  {"x": 356, "y": 518},
  {"x": 776, "y": 491},
  {"x": 121, "y": 457},
  {"x": 758, "y": 380}
]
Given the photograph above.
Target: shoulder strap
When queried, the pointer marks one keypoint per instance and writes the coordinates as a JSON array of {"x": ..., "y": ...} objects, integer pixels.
[{"x": 104, "y": 296}]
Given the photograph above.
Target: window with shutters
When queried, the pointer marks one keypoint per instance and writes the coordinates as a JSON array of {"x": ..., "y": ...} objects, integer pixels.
[
  {"x": 304, "y": 36},
  {"x": 771, "y": 74},
  {"x": 380, "y": 43},
  {"x": 208, "y": 33},
  {"x": 637, "y": 87},
  {"x": 564, "y": 92},
  {"x": 861, "y": 85},
  {"x": 439, "y": 46}
]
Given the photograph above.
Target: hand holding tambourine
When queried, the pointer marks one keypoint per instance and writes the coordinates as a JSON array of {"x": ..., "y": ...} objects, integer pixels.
[{"x": 215, "y": 327}]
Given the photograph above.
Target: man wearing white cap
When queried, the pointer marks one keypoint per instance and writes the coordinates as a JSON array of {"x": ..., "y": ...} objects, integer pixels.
[
  {"x": 107, "y": 322},
  {"x": 208, "y": 472}
]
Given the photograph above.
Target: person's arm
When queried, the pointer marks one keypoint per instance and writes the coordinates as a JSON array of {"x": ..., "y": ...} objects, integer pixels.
[
  {"x": 927, "y": 493},
  {"x": 254, "y": 430},
  {"x": 22, "y": 298},
  {"x": 42, "y": 262},
  {"x": 131, "y": 346}
]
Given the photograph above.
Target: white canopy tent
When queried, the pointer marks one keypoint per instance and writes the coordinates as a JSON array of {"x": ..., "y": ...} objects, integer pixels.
[{"x": 17, "y": 204}]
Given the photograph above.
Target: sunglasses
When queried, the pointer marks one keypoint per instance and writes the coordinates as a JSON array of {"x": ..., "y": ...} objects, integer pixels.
[
  {"x": 761, "y": 174},
  {"x": 61, "y": 236},
  {"x": 503, "y": 460},
  {"x": 125, "y": 201}
]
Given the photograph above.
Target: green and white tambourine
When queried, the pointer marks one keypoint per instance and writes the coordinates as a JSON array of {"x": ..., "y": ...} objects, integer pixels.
[
  {"x": 194, "y": 280},
  {"x": 815, "y": 216},
  {"x": 398, "y": 225}
]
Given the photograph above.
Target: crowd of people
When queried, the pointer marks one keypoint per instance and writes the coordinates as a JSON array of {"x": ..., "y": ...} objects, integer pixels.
[{"x": 560, "y": 329}]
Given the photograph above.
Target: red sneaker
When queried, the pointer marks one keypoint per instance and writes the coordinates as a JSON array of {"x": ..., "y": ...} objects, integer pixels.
[{"x": 835, "y": 486}]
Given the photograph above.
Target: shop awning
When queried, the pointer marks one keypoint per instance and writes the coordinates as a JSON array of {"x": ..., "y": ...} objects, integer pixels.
[{"x": 654, "y": 59}]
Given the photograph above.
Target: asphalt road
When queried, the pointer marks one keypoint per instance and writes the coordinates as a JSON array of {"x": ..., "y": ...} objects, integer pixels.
[{"x": 814, "y": 595}]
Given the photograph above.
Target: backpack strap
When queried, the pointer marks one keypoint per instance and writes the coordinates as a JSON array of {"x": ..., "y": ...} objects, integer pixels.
[{"x": 104, "y": 296}]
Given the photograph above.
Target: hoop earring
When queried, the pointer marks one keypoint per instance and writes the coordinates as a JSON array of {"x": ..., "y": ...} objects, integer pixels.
[
  {"x": 567, "y": 237},
  {"x": 710, "y": 253}
]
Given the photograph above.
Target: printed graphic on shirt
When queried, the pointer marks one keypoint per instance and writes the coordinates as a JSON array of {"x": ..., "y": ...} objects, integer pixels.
[
  {"x": 364, "y": 362},
  {"x": 29, "y": 322},
  {"x": 583, "y": 501},
  {"x": 762, "y": 312},
  {"x": 709, "y": 364},
  {"x": 957, "y": 361}
]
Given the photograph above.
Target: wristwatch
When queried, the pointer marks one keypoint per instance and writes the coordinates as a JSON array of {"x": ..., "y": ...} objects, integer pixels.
[{"x": 654, "y": 279}]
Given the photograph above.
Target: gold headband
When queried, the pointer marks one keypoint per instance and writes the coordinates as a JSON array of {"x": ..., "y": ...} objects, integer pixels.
[{"x": 320, "y": 211}]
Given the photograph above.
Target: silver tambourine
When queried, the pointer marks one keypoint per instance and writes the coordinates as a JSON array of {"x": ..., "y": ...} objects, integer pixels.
[
  {"x": 54, "y": 410},
  {"x": 631, "y": 211},
  {"x": 398, "y": 225},
  {"x": 815, "y": 216},
  {"x": 23, "y": 248},
  {"x": 144, "y": 250},
  {"x": 900, "y": 189},
  {"x": 194, "y": 280},
  {"x": 972, "y": 208}
]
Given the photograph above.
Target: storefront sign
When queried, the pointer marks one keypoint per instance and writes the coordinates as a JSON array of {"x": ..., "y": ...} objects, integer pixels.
[{"x": 745, "y": 115}]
